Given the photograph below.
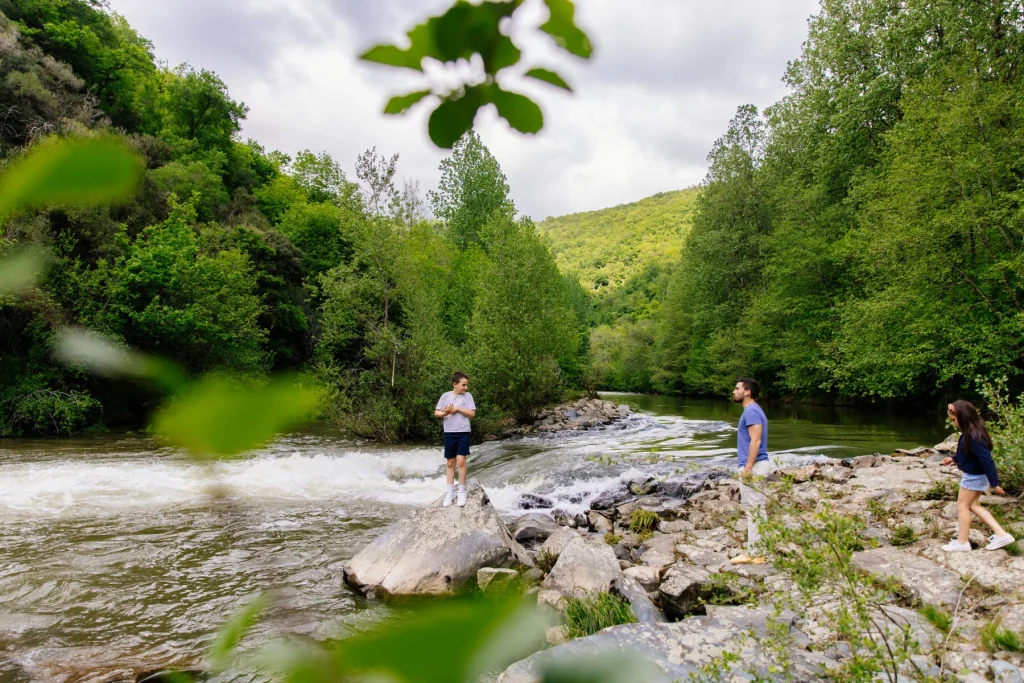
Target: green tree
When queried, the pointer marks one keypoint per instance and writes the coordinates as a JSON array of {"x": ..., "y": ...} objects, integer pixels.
[{"x": 472, "y": 191}]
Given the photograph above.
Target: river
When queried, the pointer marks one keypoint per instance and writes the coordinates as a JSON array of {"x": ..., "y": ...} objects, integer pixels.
[{"x": 117, "y": 551}]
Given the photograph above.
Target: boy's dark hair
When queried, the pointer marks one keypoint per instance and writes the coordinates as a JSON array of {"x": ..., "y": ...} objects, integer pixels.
[
  {"x": 750, "y": 385},
  {"x": 458, "y": 377}
]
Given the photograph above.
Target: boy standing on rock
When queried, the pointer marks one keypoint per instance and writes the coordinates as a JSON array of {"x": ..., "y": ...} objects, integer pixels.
[
  {"x": 752, "y": 459},
  {"x": 456, "y": 408}
]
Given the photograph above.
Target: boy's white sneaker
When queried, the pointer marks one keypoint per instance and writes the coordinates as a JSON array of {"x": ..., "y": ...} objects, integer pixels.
[
  {"x": 956, "y": 546},
  {"x": 1000, "y": 542},
  {"x": 462, "y": 498},
  {"x": 448, "y": 496}
]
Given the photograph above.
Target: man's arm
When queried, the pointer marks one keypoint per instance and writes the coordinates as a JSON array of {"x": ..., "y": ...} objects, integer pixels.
[
  {"x": 755, "y": 446},
  {"x": 468, "y": 412}
]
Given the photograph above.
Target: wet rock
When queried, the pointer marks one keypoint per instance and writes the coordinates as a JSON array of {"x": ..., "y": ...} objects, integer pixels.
[
  {"x": 436, "y": 551},
  {"x": 641, "y": 486},
  {"x": 533, "y": 527},
  {"x": 493, "y": 578},
  {"x": 583, "y": 567},
  {"x": 581, "y": 521},
  {"x": 675, "y": 651},
  {"x": 914, "y": 452},
  {"x": 926, "y": 580},
  {"x": 609, "y": 500},
  {"x": 680, "y": 489},
  {"x": 684, "y": 588},
  {"x": 563, "y": 518},
  {"x": 639, "y": 603},
  {"x": 533, "y": 501}
]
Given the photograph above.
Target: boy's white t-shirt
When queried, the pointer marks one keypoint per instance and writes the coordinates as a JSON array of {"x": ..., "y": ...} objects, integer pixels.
[{"x": 456, "y": 422}]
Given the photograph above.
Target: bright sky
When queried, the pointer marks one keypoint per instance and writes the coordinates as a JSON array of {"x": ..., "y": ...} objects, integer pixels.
[{"x": 666, "y": 77}]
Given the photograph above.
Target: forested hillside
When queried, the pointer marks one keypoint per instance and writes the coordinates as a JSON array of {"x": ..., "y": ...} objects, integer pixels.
[
  {"x": 234, "y": 258},
  {"x": 609, "y": 247},
  {"x": 863, "y": 237}
]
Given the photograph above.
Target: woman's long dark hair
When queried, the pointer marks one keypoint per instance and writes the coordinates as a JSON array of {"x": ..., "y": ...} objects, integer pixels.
[{"x": 971, "y": 424}]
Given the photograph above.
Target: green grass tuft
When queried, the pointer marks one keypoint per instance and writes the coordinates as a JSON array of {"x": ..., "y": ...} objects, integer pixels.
[
  {"x": 937, "y": 617},
  {"x": 903, "y": 535},
  {"x": 612, "y": 538},
  {"x": 546, "y": 560},
  {"x": 643, "y": 521},
  {"x": 997, "y": 639},
  {"x": 941, "y": 489},
  {"x": 588, "y": 615},
  {"x": 1014, "y": 549}
]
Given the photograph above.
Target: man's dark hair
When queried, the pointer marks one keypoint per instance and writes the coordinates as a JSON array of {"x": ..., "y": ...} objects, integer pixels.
[
  {"x": 750, "y": 385},
  {"x": 458, "y": 377}
]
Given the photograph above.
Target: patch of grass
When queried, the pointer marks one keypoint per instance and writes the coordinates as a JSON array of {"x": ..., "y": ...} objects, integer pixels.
[
  {"x": 941, "y": 489},
  {"x": 903, "y": 535},
  {"x": 997, "y": 639},
  {"x": 612, "y": 538},
  {"x": 879, "y": 509},
  {"x": 1014, "y": 549},
  {"x": 587, "y": 615},
  {"x": 937, "y": 617},
  {"x": 643, "y": 521},
  {"x": 643, "y": 536},
  {"x": 546, "y": 560}
]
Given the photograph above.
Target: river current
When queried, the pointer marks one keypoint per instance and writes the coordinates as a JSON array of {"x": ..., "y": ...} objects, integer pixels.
[{"x": 116, "y": 551}]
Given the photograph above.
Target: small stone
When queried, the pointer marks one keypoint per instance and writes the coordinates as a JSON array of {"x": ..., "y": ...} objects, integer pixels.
[
  {"x": 919, "y": 506},
  {"x": 534, "y": 574},
  {"x": 648, "y": 577},
  {"x": 676, "y": 526},
  {"x": 563, "y": 518},
  {"x": 836, "y": 475},
  {"x": 599, "y": 522},
  {"x": 493, "y": 578},
  {"x": 864, "y": 461}
]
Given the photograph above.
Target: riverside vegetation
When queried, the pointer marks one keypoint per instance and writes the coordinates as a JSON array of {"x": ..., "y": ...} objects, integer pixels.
[{"x": 230, "y": 258}]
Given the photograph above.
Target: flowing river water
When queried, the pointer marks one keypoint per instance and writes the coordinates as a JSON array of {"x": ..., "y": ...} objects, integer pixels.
[{"x": 118, "y": 552}]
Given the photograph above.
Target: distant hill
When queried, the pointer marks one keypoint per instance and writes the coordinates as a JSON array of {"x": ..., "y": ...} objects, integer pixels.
[{"x": 606, "y": 248}]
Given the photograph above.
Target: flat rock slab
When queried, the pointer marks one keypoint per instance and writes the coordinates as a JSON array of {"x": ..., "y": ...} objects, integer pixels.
[
  {"x": 436, "y": 551},
  {"x": 896, "y": 477},
  {"x": 928, "y": 581},
  {"x": 674, "y": 651},
  {"x": 995, "y": 570}
]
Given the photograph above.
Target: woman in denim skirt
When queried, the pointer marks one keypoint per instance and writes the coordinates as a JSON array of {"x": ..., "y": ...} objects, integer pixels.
[{"x": 974, "y": 459}]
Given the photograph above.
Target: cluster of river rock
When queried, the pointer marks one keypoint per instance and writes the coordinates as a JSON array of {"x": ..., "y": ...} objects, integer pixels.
[{"x": 672, "y": 577}]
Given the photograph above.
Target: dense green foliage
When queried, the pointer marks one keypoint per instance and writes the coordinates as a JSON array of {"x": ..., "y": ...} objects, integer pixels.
[
  {"x": 229, "y": 258},
  {"x": 864, "y": 238},
  {"x": 623, "y": 256}
]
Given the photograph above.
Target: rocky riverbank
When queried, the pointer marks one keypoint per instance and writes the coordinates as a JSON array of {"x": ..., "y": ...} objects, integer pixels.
[
  {"x": 578, "y": 415},
  {"x": 666, "y": 546}
]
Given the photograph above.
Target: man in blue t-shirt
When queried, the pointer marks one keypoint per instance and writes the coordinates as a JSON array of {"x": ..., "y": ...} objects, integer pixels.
[{"x": 751, "y": 460}]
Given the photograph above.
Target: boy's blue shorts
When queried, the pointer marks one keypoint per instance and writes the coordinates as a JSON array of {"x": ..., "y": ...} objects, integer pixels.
[{"x": 456, "y": 443}]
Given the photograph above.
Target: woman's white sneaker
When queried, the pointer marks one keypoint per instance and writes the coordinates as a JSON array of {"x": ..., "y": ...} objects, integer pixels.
[
  {"x": 1000, "y": 542},
  {"x": 956, "y": 547}
]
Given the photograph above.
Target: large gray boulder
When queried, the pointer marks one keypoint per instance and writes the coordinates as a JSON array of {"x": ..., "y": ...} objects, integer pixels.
[
  {"x": 534, "y": 527},
  {"x": 680, "y": 649},
  {"x": 436, "y": 551},
  {"x": 685, "y": 587},
  {"x": 640, "y": 603},
  {"x": 557, "y": 541},
  {"x": 926, "y": 580},
  {"x": 584, "y": 567}
]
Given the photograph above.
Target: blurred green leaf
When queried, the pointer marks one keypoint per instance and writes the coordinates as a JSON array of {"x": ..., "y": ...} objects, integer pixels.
[
  {"x": 548, "y": 77},
  {"x": 451, "y": 642},
  {"x": 520, "y": 111},
  {"x": 102, "y": 356},
  {"x": 218, "y": 417},
  {"x": 400, "y": 103},
  {"x": 453, "y": 117},
  {"x": 503, "y": 54},
  {"x": 83, "y": 171},
  {"x": 20, "y": 270},
  {"x": 231, "y": 634},
  {"x": 561, "y": 26}
]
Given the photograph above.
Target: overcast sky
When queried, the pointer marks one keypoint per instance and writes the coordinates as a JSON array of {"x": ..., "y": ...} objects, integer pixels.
[{"x": 662, "y": 85}]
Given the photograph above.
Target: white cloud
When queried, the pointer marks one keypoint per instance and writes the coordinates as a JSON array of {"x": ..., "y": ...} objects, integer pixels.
[{"x": 666, "y": 78}]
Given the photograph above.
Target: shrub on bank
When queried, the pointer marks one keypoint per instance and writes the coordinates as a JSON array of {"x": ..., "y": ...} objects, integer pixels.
[{"x": 1006, "y": 427}]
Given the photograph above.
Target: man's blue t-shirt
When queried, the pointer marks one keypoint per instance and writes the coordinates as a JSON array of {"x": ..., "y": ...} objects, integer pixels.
[{"x": 752, "y": 415}]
